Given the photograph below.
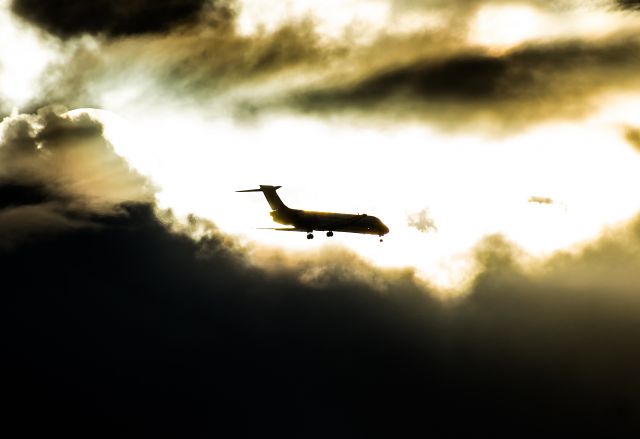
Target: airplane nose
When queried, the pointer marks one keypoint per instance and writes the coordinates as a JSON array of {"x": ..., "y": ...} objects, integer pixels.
[{"x": 385, "y": 229}]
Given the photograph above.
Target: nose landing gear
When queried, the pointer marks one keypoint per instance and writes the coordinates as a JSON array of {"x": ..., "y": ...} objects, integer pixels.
[{"x": 329, "y": 234}]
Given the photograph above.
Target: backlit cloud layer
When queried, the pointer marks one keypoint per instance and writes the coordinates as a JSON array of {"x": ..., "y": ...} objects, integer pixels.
[
  {"x": 124, "y": 317},
  {"x": 193, "y": 51}
]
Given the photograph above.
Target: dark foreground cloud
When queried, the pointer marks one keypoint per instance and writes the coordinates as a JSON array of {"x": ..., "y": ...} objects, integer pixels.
[
  {"x": 124, "y": 325},
  {"x": 113, "y": 18}
]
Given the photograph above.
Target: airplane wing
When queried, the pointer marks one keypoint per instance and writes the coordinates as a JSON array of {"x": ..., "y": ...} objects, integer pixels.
[{"x": 282, "y": 229}]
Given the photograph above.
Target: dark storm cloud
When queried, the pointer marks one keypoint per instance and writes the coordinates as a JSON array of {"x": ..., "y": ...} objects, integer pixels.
[
  {"x": 114, "y": 18},
  {"x": 137, "y": 330},
  {"x": 125, "y": 325},
  {"x": 524, "y": 86},
  {"x": 12, "y": 194},
  {"x": 632, "y": 135}
]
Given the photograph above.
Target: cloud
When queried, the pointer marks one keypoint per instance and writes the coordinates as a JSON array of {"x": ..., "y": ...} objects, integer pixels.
[
  {"x": 147, "y": 331},
  {"x": 434, "y": 79},
  {"x": 422, "y": 221},
  {"x": 629, "y": 4},
  {"x": 466, "y": 4},
  {"x": 540, "y": 200},
  {"x": 69, "y": 155},
  {"x": 57, "y": 170},
  {"x": 199, "y": 65},
  {"x": 473, "y": 88},
  {"x": 28, "y": 210},
  {"x": 4, "y": 104},
  {"x": 632, "y": 135},
  {"x": 125, "y": 323},
  {"x": 434, "y": 76},
  {"x": 70, "y": 18}
]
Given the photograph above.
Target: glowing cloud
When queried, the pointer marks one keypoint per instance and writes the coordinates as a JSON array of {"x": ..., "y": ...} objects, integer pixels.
[{"x": 23, "y": 58}]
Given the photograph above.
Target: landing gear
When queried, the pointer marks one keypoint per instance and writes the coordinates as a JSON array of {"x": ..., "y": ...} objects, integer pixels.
[
  {"x": 329, "y": 234},
  {"x": 309, "y": 235},
  {"x": 381, "y": 239}
]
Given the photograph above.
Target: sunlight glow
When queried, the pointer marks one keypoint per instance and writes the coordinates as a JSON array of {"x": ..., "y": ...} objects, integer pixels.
[
  {"x": 472, "y": 186},
  {"x": 360, "y": 21},
  {"x": 505, "y": 26},
  {"x": 23, "y": 58},
  {"x": 501, "y": 27}
]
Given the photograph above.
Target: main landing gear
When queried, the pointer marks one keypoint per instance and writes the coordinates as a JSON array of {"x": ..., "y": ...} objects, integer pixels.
[{"x": 310, "y": 235}]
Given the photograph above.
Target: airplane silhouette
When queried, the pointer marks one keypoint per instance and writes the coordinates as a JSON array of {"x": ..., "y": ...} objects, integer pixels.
[{"x": 306, "y": 221}]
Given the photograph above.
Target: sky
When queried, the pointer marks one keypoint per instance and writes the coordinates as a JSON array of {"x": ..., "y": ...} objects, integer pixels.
[{"x": 498, "y": 140}]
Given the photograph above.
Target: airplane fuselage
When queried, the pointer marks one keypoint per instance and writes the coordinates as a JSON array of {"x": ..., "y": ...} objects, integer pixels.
[{"x": 309, "y": 221}]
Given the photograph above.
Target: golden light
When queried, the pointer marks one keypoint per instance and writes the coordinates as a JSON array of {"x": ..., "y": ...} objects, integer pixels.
[
  {"x": 501, "y": 27},
  {"x": 23, "y": 58},
  {"x": 472, "y": 186}
]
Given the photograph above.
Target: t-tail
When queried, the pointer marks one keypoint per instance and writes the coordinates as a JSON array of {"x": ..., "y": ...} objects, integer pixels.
[{"x": 272, "y": 197}]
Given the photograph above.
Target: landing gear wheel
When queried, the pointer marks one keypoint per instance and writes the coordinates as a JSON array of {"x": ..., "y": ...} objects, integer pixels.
[
  {"x": 329, "y": 234},
  {"x": 380, "y": 239},
  {"x": 310, "y": 236}
]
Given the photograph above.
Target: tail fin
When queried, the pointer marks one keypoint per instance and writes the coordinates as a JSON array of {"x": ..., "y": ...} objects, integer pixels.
[{"x": 270, "y": 194}]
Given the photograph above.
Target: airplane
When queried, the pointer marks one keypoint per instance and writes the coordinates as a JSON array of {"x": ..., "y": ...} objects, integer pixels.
[{"x": 307, "y": 221}]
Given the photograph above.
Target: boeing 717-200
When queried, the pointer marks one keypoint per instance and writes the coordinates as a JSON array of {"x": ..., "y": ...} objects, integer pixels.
[{"x": 307, "y": 221}]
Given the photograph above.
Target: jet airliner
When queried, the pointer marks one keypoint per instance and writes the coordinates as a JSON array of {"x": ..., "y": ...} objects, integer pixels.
[{"x": 307, "y": 221}]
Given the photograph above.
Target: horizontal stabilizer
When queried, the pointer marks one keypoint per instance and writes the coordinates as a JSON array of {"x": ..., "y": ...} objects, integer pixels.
[{"x": 263, "y": 188}]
